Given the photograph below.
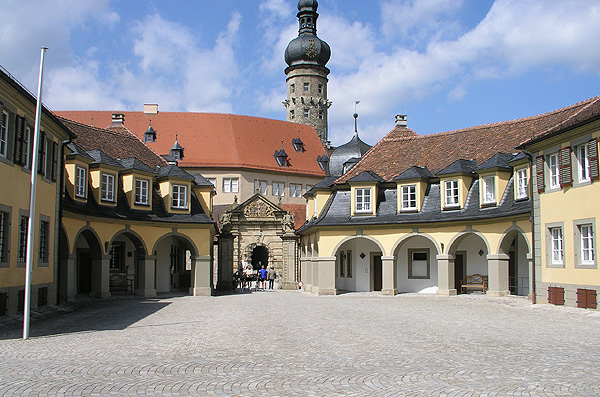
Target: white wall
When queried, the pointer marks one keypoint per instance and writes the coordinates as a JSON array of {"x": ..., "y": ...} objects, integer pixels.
[
  {"x": 415, "y": 285},
  {"x": 361, "y": 267},
  {"x": 476, "y": 264}
]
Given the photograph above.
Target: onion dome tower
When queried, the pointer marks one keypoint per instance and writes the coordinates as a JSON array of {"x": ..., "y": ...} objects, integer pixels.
[{"x": 307, "y": 57}]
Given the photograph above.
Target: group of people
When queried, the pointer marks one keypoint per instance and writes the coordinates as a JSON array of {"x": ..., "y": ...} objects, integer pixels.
[{"x": 264, "y": 278}]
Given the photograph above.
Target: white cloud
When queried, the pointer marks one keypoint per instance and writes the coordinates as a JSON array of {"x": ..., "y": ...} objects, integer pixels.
[{"x": 276, "y": 8}]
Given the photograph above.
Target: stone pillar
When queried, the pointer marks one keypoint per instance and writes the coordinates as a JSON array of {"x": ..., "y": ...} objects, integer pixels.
[
  {"x": 327, "y": 276},
  {"x": 147, "y": 268},
  {"x": 287, "y": 280},
  {"x": 201, "y": 276},
  {"x": 225, "y": 262},
  {"x": 315, "y": 275},
  {"x": 498, "y": 275},
  {"x": 101, "y": 277},
  {"x": 446, "y": 285},
  {"x": 307, "y": 274},
  {"x": 304, "y": 263},
  {"x": 70, "y": 274},
  {"x": 531, "y": 278},
  {"x": 389, "y": 276}
]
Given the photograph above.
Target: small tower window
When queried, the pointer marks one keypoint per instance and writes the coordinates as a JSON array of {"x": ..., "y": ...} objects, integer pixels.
[
  {"x": 306, "y": 87},
  {"x": 292, "y": 88},
  {"x": 306, "y": 112},
  {"x": 320, "y": 88},
  {"x": 320, "y": 115},
  {"x": 292, "y": 114}
]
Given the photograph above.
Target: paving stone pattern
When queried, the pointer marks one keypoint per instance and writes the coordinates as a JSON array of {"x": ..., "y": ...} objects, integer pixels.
[{"x": 280, "y": 343}]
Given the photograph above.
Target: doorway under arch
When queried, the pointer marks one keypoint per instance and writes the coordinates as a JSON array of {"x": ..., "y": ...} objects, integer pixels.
[{"x": 260, "y": 257}]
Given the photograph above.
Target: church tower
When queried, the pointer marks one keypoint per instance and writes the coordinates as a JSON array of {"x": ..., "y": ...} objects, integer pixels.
[{"x": 306, "y": 73}]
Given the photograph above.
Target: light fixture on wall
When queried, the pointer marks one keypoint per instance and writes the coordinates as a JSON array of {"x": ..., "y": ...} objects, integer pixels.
[
  {"x": 480, "y": 252},
  {"x": 362, "y": 255}
]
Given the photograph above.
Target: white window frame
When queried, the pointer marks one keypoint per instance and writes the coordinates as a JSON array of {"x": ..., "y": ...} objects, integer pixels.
[
  {"x": 142, "y": 189},
  {"x": 451, "y": 193},
  {"x": 4, "y": 135},
  {"x": 362, "y": 197},
  {"x": 489, "y": 190},
  {"x": 586, "y": 235},
  {"x": 295, "y": 190},
  {"x": 230, "y": 185},
  {"x": 262, "y": 185},
  {"x": 557, "y": 247},
  {"x": 278, "y": 189},
  {"x": 553, "y": 171},
  {"x": 409, "y": 197},
  {"x": 179, "y": 197},
  {"x": 522, "y": 183},
  {"x": 80, "y": 182},
  {"x": 583, "y": 162},
  {"x": 108, "y": 187}
]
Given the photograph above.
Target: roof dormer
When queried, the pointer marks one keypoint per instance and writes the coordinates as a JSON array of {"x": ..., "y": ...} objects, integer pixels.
[
  {"x": 77, "y": 165},
  {"x": 175, "y": 188},
  {"x": 150, "y": 134},
  {"x": 521, "y": 177},
  {"x": 104, "y": 172},
  {"x": 176, "y": 151},
  {"x": 412, "y": 185},
  {"x": 323, "y": 162},
  {"x": 281, "y": 157},
  {"x": 298, "y": 144},
  {"x": 137, "y": 180},
  {"x": 364, "y": 193},
  {"x": 494, "y": 175},
  {"x": 455, "y": 181}
]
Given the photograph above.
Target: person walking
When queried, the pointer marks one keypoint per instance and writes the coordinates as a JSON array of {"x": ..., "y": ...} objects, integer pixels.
[{"x": 271, "y": 276}]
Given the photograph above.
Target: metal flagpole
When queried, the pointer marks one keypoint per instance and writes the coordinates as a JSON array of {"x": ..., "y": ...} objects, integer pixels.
[{"x": 31, "y": 222}]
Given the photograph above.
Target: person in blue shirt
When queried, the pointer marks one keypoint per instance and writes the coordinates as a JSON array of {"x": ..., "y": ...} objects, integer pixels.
[{"x": 262, "y": 277}]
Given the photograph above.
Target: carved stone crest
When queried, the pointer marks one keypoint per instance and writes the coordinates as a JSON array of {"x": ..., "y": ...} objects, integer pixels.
[{"x": 258, "y": 209}]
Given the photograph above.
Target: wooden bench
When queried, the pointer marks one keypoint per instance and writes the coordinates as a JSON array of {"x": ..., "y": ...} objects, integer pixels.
[{"x": 476, "y": 282}]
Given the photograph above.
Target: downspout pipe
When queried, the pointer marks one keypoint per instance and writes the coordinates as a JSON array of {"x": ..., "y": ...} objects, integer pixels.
[{"x": 532, "y": 220}]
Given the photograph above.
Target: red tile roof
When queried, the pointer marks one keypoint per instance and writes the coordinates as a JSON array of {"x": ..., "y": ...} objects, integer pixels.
[
  {"x": 116, "y": 144},
  {"x": 402, "y": 149},
  {"x": 213, "y": 140}
]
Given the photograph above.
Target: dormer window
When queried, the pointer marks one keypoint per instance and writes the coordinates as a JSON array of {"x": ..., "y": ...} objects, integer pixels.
[
  {"x": 150, "y": 134},
  {"x": 298, "y": 144},
  {"x": 141, "y": 191},
  {"x": 108, "y": 187},
  {"x": 363, "y": 200},
  {"x": 451, "y": 193},
  {"x": 409, "y": 198},
  {"x": 323, "y": 161},
  {"x": 179, "y": 197},
  {"x": 177, "y": 150},
  {"x": 488, "y": 190},
  {"x": 522, "y": 184},
  {"x": 281, "y": 157},
  {"x": 80, "y": 182}
]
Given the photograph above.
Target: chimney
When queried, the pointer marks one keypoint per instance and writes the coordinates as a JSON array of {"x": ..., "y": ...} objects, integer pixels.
[
  {"x": 117, "y": 120},
  {"x": 401, "y": 120},
  {"x": 150, "y": 108}
]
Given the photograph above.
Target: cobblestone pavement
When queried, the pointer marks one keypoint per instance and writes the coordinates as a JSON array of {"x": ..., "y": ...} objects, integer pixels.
[{"x": 288, "y": 343}]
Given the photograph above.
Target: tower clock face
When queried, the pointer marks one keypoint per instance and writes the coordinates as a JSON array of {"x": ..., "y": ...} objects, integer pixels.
[{"x": 311, "y": 50}]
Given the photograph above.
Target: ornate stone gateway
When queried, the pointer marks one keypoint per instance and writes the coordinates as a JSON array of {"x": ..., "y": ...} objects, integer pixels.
[{"x": 258, "y": 231}]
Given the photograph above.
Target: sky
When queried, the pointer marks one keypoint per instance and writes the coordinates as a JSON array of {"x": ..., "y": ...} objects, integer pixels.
[{"x": 447, "y": 64}]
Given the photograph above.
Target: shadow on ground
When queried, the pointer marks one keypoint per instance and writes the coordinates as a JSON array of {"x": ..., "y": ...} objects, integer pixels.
[{"x": 83, "y": 316}]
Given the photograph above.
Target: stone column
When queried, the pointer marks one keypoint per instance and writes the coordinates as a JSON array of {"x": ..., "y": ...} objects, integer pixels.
[
  {"x": 225, "y": 262},
  {"x": 304, "y": 263},
  {"x": 531, "y": 278},
  {"x": 307, "y": 274},
  {"x": 389, "y": 276},
  {"x": 287, "y": 280},
  {"x": 315, "y": 275},
  {"x": 498, "y": 275},
  {"x": 201, "y": 276},
  {"x": 147, "y": 267},
  {"x": 446, "y": 285},
  {"x": 326, "y": 271},
  {"x": 70, "y": 274}
]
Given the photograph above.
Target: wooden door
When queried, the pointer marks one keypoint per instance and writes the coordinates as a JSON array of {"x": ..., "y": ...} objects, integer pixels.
[{"x": 377, "y": 273}]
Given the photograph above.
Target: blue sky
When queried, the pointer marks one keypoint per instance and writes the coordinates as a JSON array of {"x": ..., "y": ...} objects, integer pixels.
[{"x": 448, "y": 64}]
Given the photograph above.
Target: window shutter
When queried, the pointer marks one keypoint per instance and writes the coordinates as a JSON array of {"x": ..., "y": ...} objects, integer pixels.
[
  {"x": 42, "y": 153},
  {"x": 593, "y": 152},
  {"x": 539, "y": 169},
  {"x": 565, "y": 167},
  {"x": 591, "y": 299},
  {"x": 581, "y": 298},
  {"x": 54, "y": 161},
  {"x": 551, "y": 295},
  {"x": 19, "y": 132}
]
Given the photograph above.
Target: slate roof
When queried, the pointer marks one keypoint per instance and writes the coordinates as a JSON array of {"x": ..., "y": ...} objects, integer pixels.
[
  {"x": 499, "y": 160},
  {"x": 200, "y": 180},
  {"x": 118, "y": 144},
  {"x": 460, "y": 166},
  {"x": 134, "y": 164},
  {"x": 173, "y": 171},
  {"x": 415, "y": 173},
  {"x": 366, "y": 176},
  {"x": 102, "y": 158},
  {"x": 400, "y": 150},
  {"x": 75, "y": 149},
  {"x": 219, "y": 140},
  {"x": 337, "y": 211}
]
